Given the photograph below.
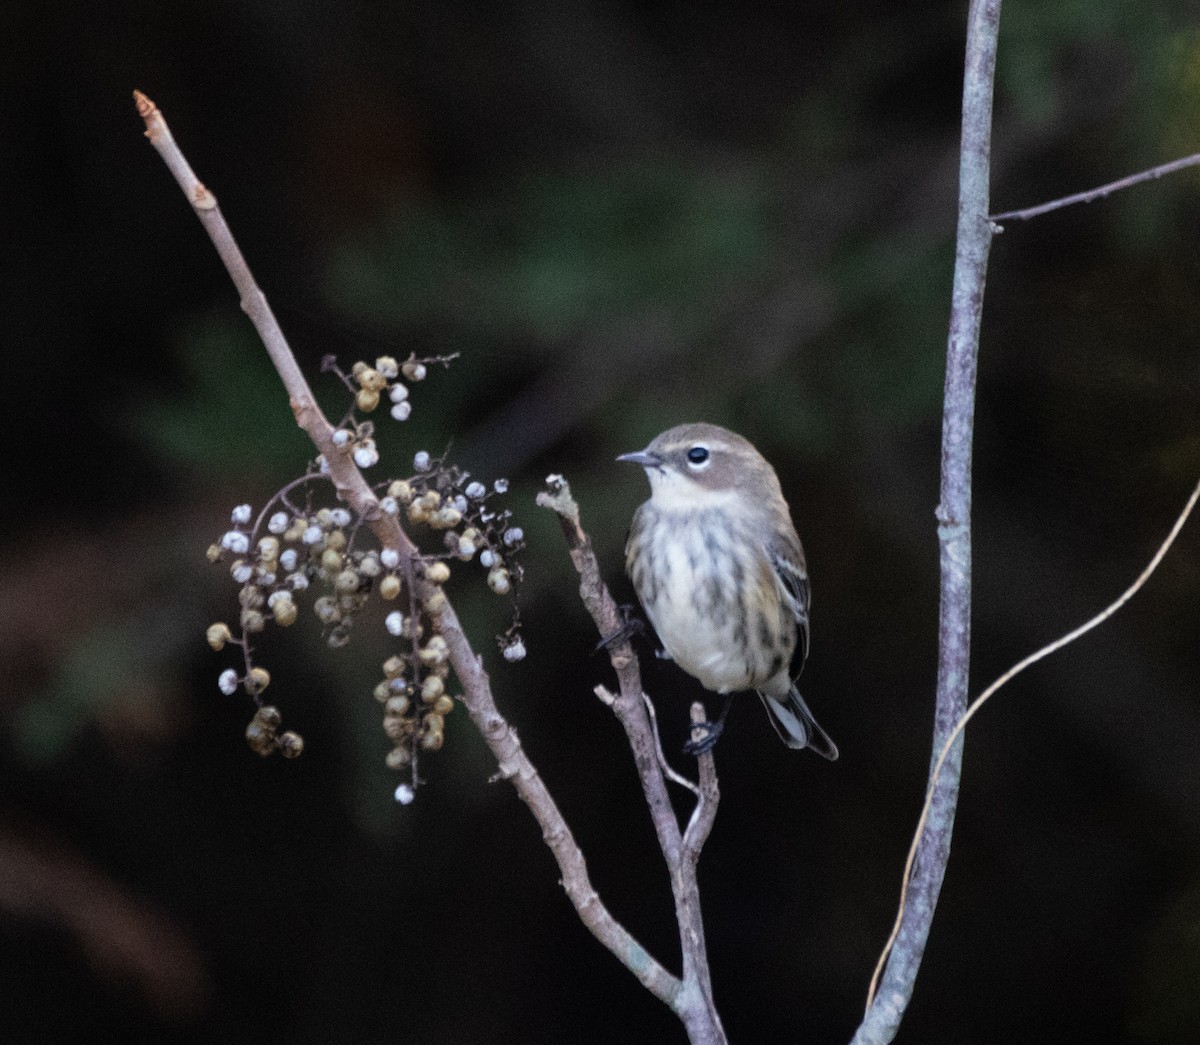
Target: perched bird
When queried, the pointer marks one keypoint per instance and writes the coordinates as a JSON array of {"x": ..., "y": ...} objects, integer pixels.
[{"x": 718, "y": 568}]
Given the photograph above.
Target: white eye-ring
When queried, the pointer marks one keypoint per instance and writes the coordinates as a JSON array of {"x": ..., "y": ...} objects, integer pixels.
[{"x": 698, "y": 457}]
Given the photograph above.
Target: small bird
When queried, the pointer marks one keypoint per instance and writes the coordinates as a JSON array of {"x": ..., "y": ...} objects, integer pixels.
[{"x": 718, "y": 568}]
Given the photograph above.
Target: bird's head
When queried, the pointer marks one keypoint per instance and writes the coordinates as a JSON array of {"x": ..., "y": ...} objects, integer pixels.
[{"x": 694, "y": 466}]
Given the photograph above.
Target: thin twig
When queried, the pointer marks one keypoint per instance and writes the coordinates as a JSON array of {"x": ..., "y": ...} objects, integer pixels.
[
  {"x": 1102, "y": 191},
  {"x": 1010, "y": 674},
  {"x": 705, "y": 814},
  {"x": 886, "y": 1007},
  {"x": 663, "y": 764},
  {"x": 351, "y": 487}
]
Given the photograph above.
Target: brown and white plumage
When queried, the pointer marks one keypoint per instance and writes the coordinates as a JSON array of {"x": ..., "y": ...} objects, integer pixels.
[{"x": 720, "y": 571}]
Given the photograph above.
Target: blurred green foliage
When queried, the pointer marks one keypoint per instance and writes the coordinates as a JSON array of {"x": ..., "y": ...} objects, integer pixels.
[
  {"x": 234, "y": 412},
  {"x": 123, "y": 658},
  {"x": 1039, "y": 41},
  {"x": 552, "y": 254}
]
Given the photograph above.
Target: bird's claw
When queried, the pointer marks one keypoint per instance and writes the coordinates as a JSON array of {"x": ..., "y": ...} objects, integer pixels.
[
  {"x": 631, "y": 625},
  {"x": 704, "y": 737}
]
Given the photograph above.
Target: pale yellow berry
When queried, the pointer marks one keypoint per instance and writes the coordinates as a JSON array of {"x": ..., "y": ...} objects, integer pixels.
[
  {"x": 253, "y": 621},
  {"x": 260, "y": 739},
  {"x": 401, "y": 491},
  {"x": 431, "y": 689},
  {"x": 291, "y": 744},
  {"x": 435, "y": 604},
  {"x": 433, "y": 740},
  {"x": 366, "y": 400},
  {"x": 371, "y": 380},
  {"x": 295, "y": 533},
  {"x": 251, "y": 597},
  {"x": 336, "y": 540},
  {"x": 444, "y": 704},
  {"x": 445, "y": 518},
  {"x": 389, "y": 587},
  {"x": 285, "y": 612},
  {"x": 218, "y": 634},
  {"x": 347, "y": 581},
  {"x": 258, "y": 680},
  {"x": 437, "y": 572},
  {"x": 394, "y": 667},
  {"x": 331, "y": 560},
  {"x": 433, "y": 652},
  {"x": 498, "y": 580}
]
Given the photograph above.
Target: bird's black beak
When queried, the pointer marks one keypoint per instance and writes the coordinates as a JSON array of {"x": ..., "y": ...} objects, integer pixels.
[{"x": 642, "y": 457}]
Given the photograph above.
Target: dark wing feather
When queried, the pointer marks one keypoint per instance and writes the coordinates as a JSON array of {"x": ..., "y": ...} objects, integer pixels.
[{"x": 787, "y": 560}]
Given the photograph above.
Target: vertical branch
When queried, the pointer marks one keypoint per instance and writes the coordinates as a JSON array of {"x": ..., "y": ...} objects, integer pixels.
[{"x": 907, "y": 946}]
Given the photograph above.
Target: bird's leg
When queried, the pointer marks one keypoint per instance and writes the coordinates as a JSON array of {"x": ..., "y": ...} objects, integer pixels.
[
  {"x": 706, "y": 734},
  {"x": 631, "y": 624}
]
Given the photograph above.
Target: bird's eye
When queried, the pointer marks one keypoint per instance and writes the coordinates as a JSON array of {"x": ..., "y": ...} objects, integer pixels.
[{"x": 697, "y": 456}]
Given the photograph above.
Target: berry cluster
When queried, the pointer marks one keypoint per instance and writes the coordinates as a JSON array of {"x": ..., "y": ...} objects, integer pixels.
[{"x": 294, "y": 545}]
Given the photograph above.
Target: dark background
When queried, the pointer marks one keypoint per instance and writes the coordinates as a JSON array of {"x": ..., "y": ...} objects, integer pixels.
[{"x": 624, "y": 216}]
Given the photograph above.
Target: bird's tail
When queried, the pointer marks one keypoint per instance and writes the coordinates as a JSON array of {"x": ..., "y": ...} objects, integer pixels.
[{"x": 795, "y": 724}]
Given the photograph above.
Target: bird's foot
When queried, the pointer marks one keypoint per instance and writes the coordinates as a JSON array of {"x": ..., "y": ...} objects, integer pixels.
[
  {"x": 631, "y": 624},
  {"x": 705, "y": 734},
  {"x": 704, "y": 737}
]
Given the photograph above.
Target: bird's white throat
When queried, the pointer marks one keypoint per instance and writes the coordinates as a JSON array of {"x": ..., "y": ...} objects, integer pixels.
[{"x": 672, "y": 492}]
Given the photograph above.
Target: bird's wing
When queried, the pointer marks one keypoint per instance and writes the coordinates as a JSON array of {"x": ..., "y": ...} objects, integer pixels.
[{"x": 787, "y": 562}]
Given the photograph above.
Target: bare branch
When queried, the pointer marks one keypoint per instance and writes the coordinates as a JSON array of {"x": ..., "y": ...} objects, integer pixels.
[
  {"x": 886, "y": 1006},
  {"x": 1101, "y": 192},
  {"x": 500, "y": 737},
  {"x": 696, "y": 1007}
]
